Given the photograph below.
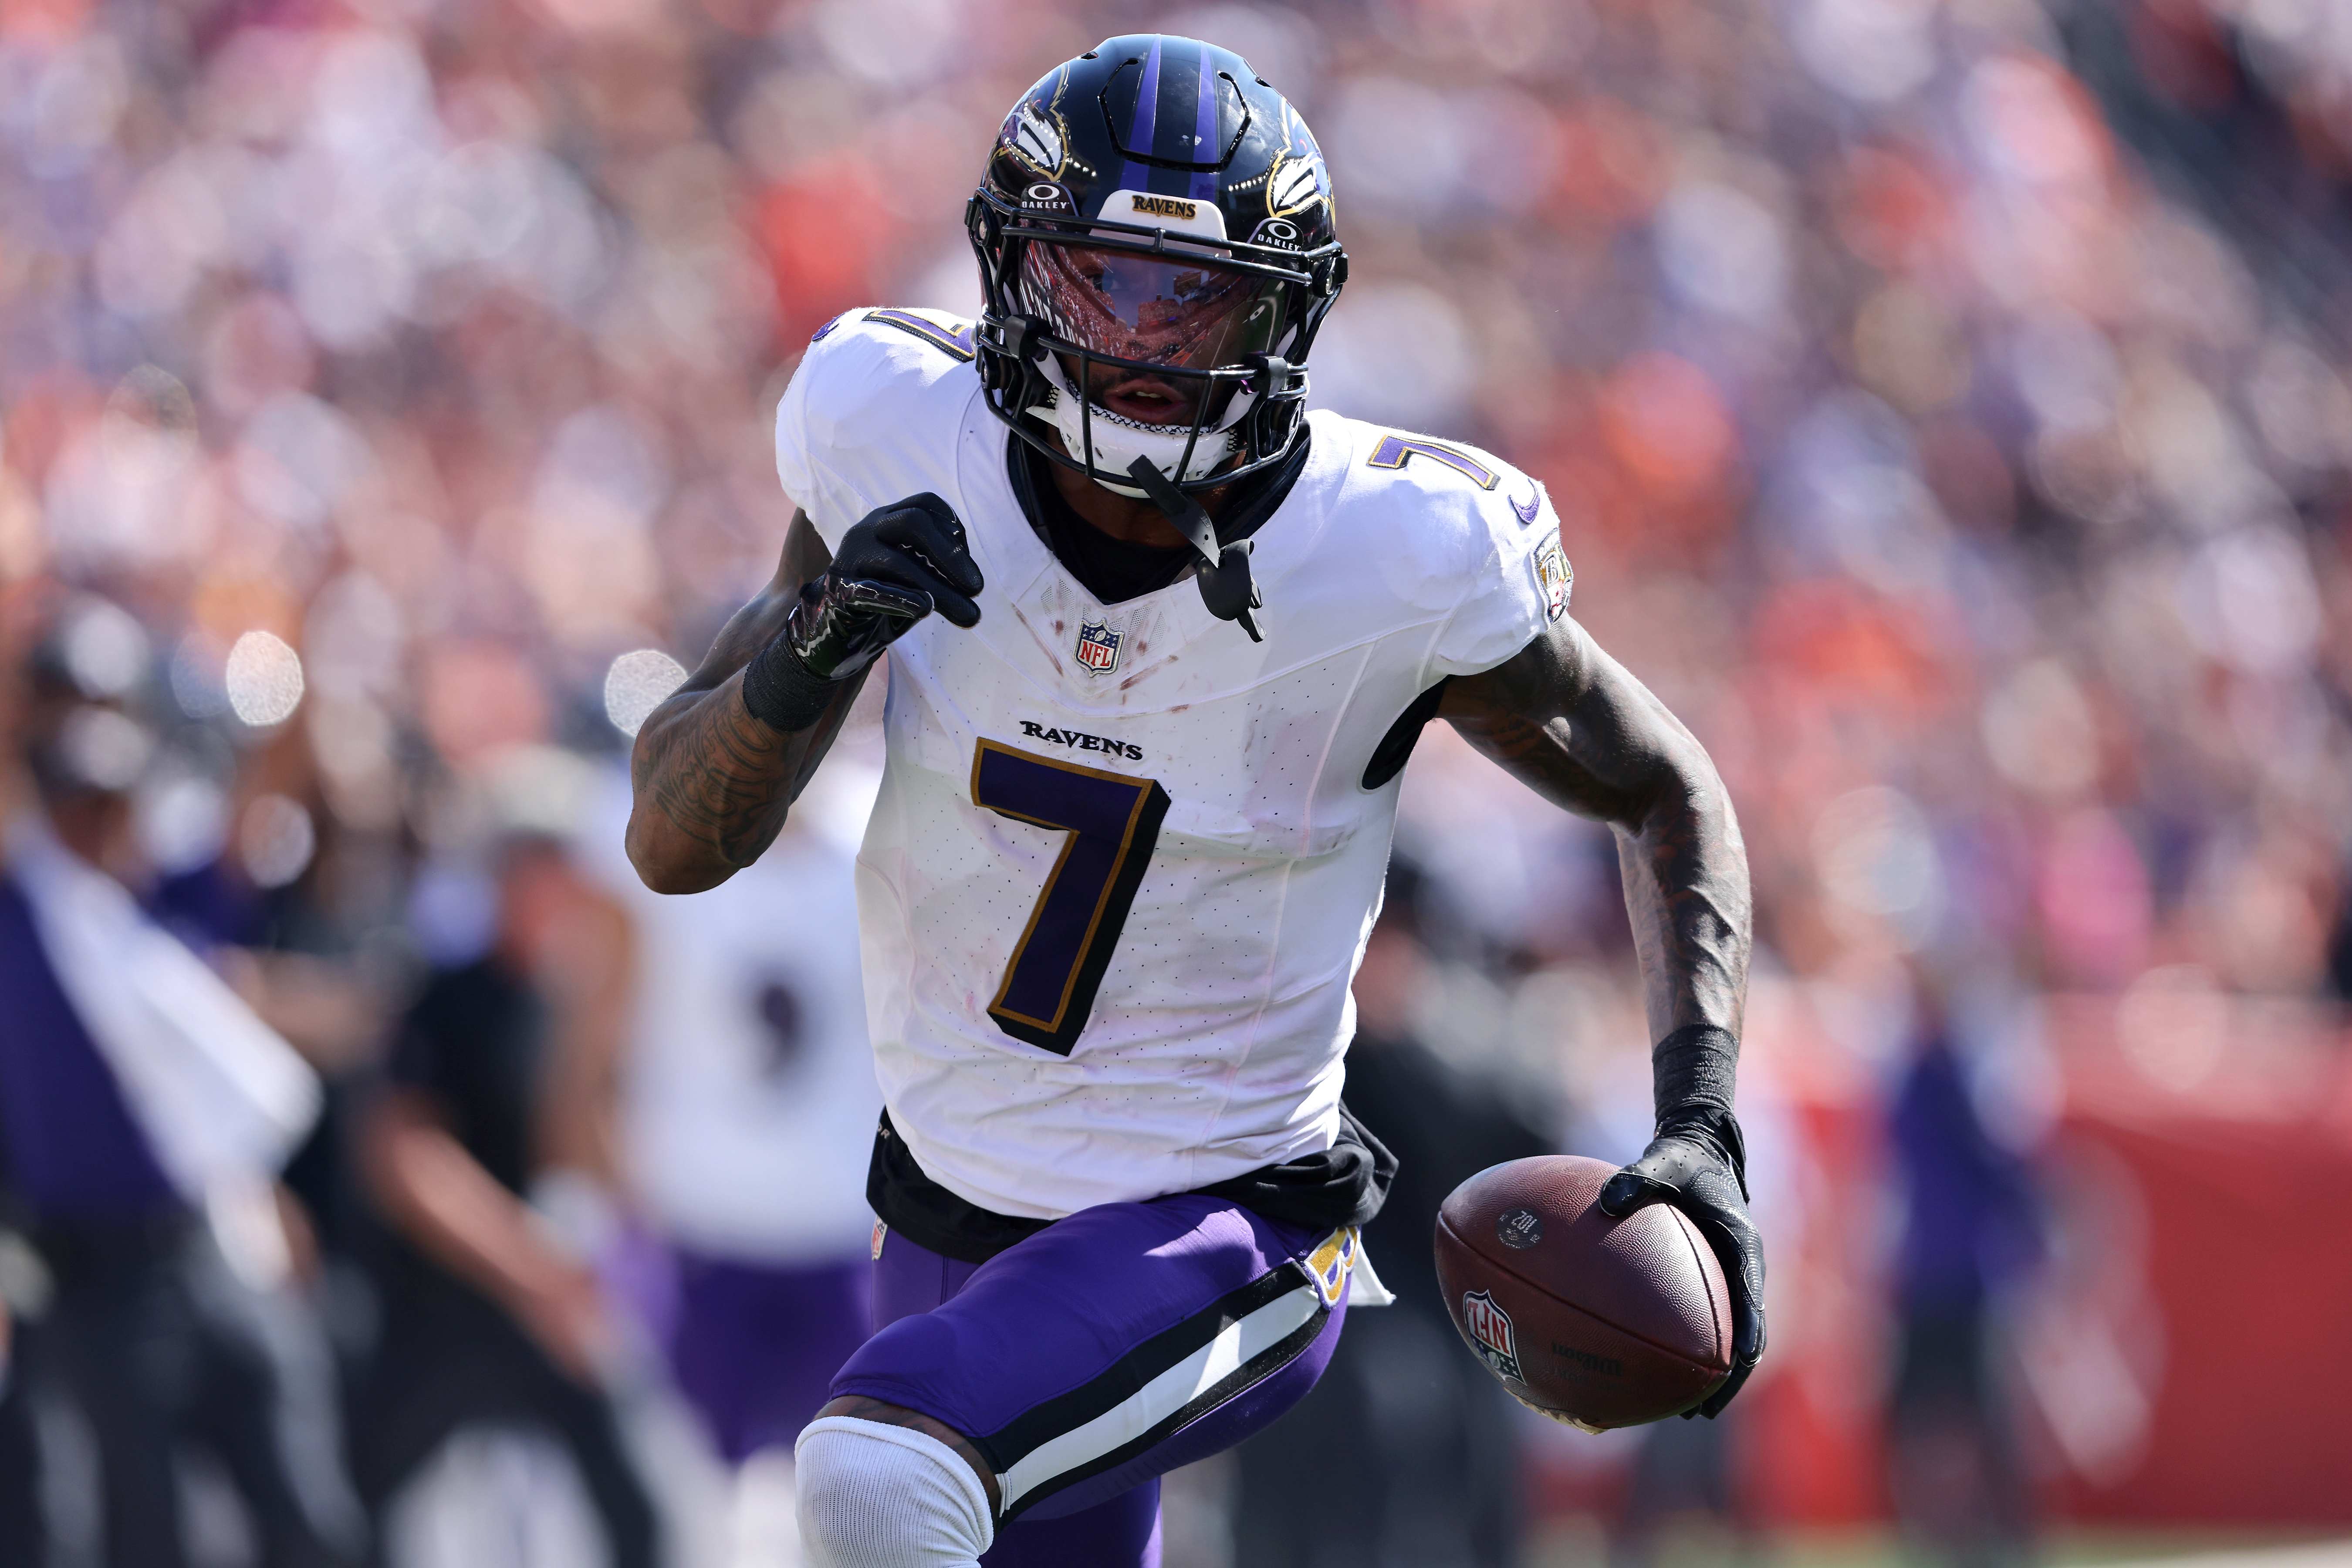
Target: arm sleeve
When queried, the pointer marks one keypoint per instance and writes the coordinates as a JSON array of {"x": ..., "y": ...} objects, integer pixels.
[{"x": 1520, "y": 585}]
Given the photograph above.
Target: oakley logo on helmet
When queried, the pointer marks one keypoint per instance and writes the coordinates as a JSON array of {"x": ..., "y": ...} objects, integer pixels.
[{"x": 1044, "y": 194}]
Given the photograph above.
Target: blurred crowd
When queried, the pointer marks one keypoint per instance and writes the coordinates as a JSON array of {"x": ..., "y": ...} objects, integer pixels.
[{"x": 1945, "y": 402}]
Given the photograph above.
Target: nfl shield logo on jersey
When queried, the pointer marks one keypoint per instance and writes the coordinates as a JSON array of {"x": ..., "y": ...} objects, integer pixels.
[
  {"x": 1490, "y": 1335},
  {"x": 1098, "y": 647}
]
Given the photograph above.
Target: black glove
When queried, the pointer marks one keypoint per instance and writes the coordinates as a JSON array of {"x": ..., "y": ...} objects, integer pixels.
[
  {"x": 1698, "y": 1163},
  {"x": 895, "y": 565}
]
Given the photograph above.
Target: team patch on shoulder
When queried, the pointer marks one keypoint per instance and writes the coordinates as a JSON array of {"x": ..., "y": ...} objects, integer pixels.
[
  {"x": 1555, "y": 578},
  {"x": 954, "y": 340},
  {"x": 1099, "y": 647},
  {"x": 1394, "y": 451}
]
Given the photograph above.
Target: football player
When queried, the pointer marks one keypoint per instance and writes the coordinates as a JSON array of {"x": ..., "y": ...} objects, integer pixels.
[{"x": 1159, "y": 644}]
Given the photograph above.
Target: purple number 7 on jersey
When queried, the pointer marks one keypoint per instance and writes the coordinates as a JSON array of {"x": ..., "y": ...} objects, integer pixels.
[
  {"x": 1113, "y": 821},
  {"x": 1395, "y": 451}
]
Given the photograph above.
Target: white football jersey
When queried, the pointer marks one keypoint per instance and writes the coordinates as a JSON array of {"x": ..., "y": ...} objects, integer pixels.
[
  {"x": 747, "y": 1099},
  {"x": 1123, "y": 863}
]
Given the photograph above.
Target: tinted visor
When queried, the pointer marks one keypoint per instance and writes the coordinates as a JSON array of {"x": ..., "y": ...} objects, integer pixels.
[{"x": 1182, "y": 312}]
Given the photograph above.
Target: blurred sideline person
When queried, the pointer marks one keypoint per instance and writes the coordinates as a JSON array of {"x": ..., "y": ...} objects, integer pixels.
[
  {"x": 145, "y": 1111},
  {"x": 1682, "y": 1471},
  {"x": 488, "y": 1314},
  {"x": 1969, "y": 1232},
  {"x": 1135, "y": 818},
  {"x": 746, "y": 1099},
  {"x": 1406, "y": 1454}
]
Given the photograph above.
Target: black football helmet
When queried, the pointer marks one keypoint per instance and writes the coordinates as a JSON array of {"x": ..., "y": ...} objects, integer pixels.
[{"x": 1156, "y": 252}]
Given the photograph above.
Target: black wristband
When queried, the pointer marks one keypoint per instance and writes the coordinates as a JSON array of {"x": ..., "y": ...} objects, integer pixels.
[
  {"x": 1694, "y": 1076},
  {"x": 781, "y": 692}
]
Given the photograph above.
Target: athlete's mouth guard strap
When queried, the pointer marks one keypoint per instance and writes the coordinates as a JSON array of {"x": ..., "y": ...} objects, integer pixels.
[{"x": 1226, "y": 587}]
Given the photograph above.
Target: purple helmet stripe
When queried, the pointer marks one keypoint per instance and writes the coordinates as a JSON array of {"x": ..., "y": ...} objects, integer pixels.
[
  {"x": 1141, "y": 128},
  {"x": 1205, "y": 146}
]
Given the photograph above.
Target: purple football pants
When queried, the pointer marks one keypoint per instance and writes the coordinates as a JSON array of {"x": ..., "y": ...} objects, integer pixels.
[
  {"x": 756, "y": 1345},
  {"x": 1100, "y": 1353}
]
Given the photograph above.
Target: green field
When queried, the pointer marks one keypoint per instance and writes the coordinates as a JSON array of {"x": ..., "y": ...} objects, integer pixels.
[{"x": 1579, "y": 1545}]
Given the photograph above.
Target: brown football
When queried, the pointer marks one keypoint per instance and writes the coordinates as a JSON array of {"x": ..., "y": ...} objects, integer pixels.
[{"x": 1595, "y": 1321}]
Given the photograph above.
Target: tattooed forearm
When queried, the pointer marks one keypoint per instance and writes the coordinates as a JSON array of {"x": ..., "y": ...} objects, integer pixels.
[
  {"x": 1686, "y": 890},
  {"x": 724, "y": 778},
  {"x": 1577, "y": 728},
  {"x": 712, "y": 783}
]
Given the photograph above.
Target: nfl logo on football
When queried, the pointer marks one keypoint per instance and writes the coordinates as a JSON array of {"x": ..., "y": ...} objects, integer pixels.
[
  {"x": 1490, "y": 1331},
  {"x": 1098, "y": 647}
]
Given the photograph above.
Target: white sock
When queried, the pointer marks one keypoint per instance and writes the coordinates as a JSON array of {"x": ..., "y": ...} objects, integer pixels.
[{"x": 875, "y": 1496}]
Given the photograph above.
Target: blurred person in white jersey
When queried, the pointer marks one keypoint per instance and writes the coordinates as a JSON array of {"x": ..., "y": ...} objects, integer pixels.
[
  {"x": 746, "y": 1105},
  {"x": 1140, "y": 782}
]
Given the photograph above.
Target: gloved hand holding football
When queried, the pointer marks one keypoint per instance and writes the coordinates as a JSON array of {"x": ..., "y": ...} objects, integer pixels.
[{"x": 1690, "y": 1169}]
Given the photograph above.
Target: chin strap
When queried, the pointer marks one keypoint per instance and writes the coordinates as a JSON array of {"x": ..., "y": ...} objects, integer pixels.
[{"x": 1224, "y": 571}]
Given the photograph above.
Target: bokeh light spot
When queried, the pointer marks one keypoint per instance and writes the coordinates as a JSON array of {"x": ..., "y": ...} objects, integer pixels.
[
  {"x": 103, "y": 650},
  {"x": 104, "y": 749},
  {"x": 263, "y": 679},
  {"x": 637, "y": 684},
  {"x": 276, "y": 840}
]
